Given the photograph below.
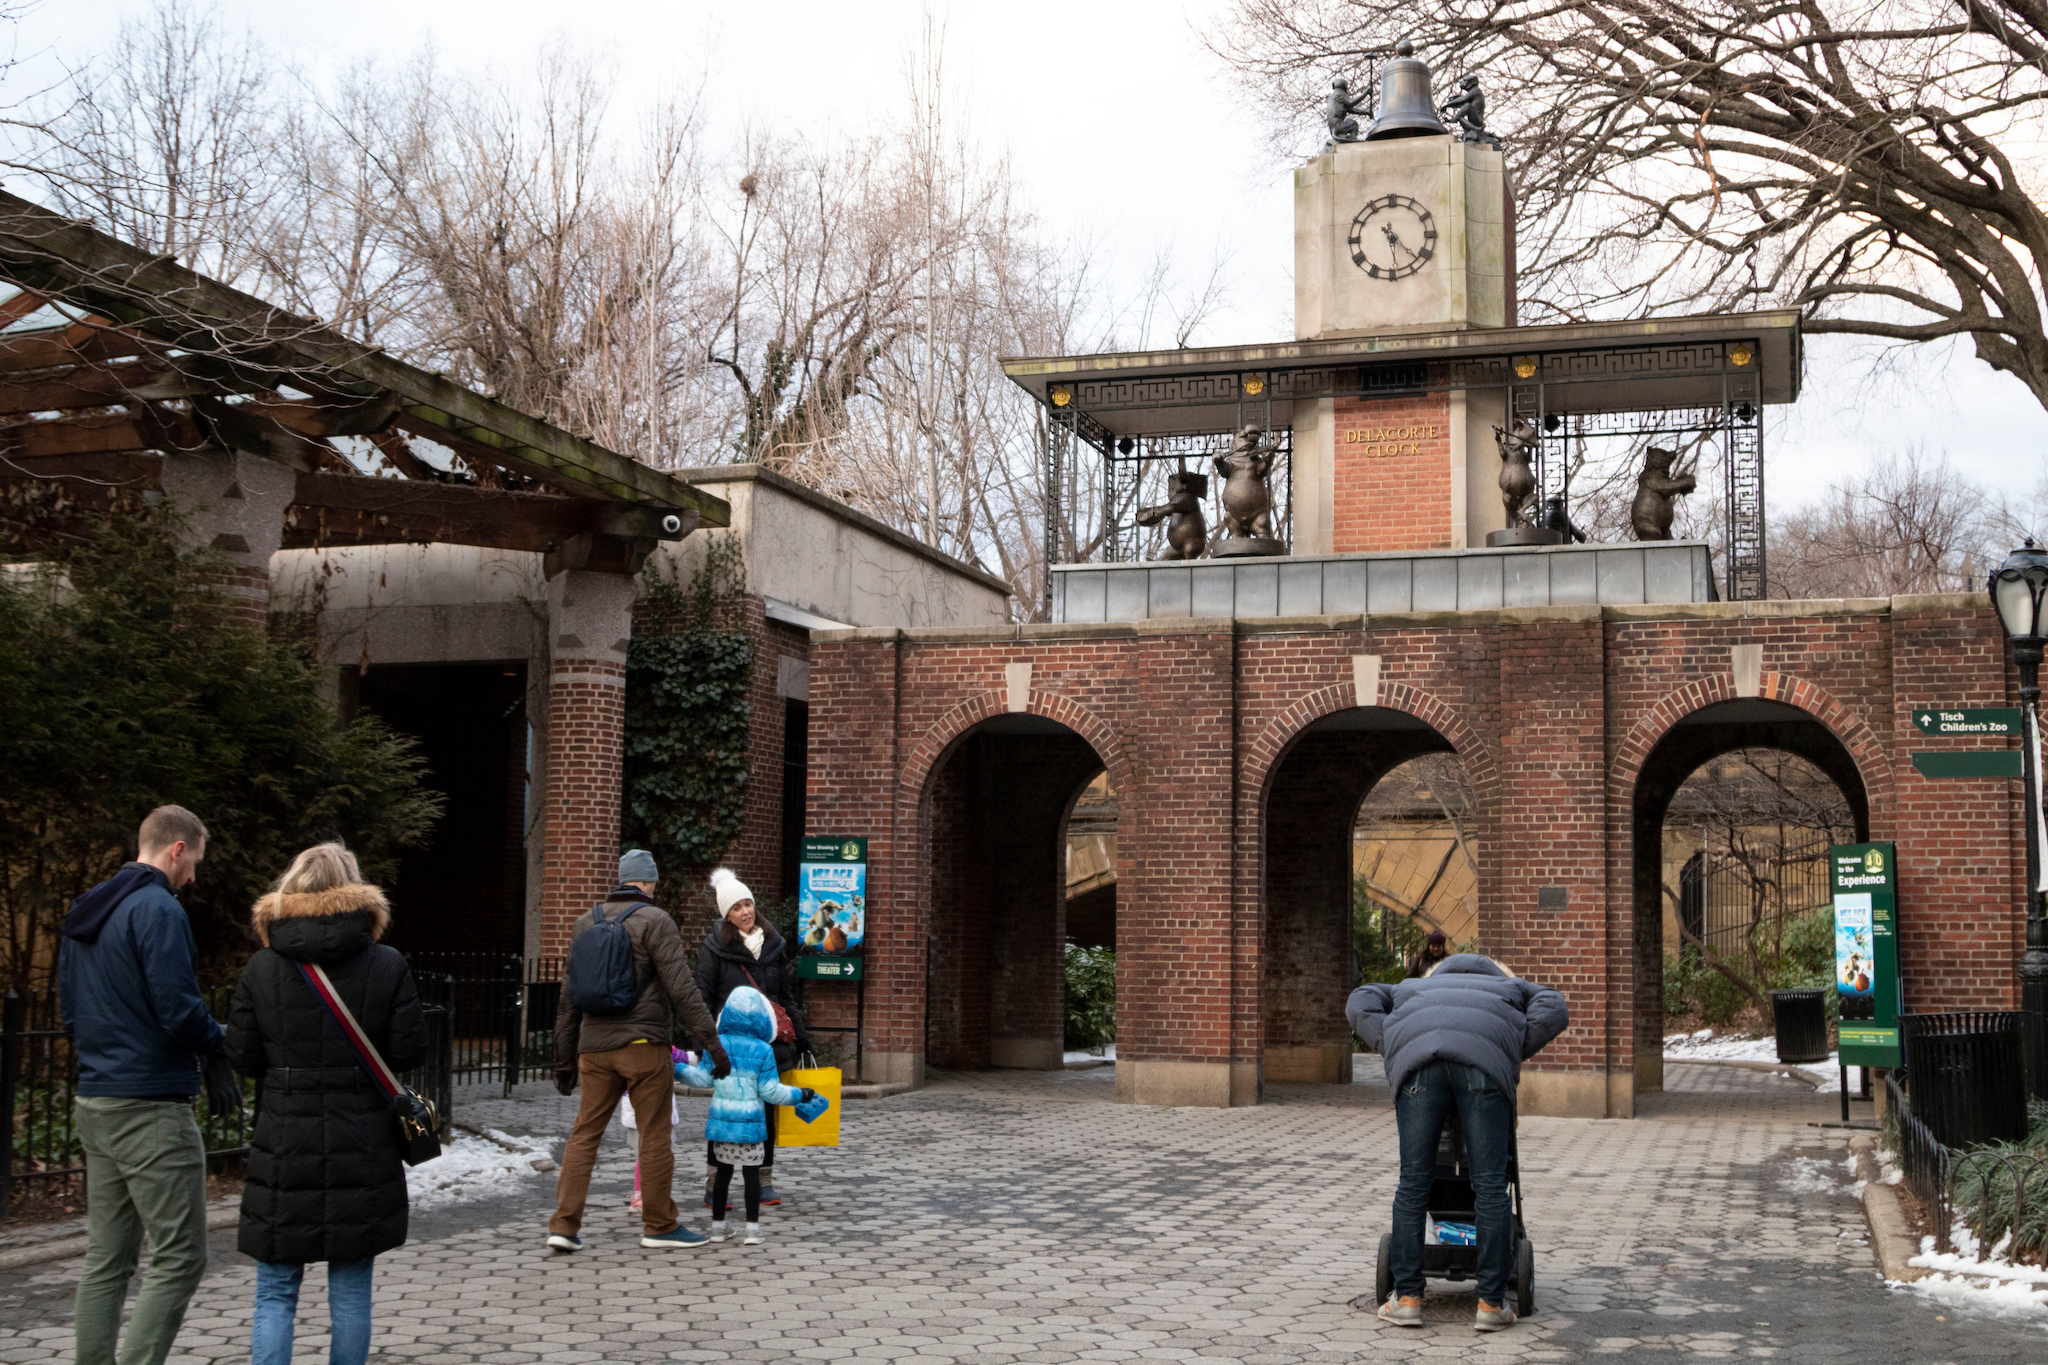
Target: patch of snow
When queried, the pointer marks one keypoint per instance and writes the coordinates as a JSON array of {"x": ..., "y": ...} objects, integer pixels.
[
  {"x": 475, "y": 1168},
  {"x": 1107, "y": 1054},
  {"x": 1995, "y": 1297},
  {"x": 1970, "y": 1277},
  {"x": 1812, "y": 1175},
  {"x": 1708, "y": 1046}
]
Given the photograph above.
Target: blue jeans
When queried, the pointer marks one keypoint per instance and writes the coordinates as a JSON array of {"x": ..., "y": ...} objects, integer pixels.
[
  {"x": 1424, "y": 1102},
  {"x": 277, "y": 1303}
]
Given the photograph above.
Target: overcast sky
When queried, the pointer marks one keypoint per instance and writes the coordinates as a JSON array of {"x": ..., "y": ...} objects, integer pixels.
[{"x": 1122, "y": 130}]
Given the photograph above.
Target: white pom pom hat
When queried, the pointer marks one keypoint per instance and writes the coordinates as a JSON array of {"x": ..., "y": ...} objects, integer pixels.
[{"x": 730, "y": 890}]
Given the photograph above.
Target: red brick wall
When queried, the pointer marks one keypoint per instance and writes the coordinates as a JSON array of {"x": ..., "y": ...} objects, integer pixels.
[
  {"x": 586, "y": 737},
  {"x": 1393, "y": 474},
  {"x": 1555, "y": 714}
]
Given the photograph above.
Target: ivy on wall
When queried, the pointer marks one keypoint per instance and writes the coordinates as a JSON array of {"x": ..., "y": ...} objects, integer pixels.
[{"x": 687, "y": 713}]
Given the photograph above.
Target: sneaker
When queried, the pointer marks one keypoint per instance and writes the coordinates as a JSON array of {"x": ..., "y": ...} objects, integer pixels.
[
  {"x": 563, "y": 1241},
  {"x": 753, "y": 1237},
  {"x": 717, "y": 1233},
  {"x": 680, "y": 1239},
  {"x": 1400, "y": 1312},
  {"x": 769, "y": 1196},
  {"x": 1493, "y": 1319}
]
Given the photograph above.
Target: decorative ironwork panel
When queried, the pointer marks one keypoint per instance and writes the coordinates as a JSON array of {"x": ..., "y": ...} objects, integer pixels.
[{"x": 1136, "y": 478}]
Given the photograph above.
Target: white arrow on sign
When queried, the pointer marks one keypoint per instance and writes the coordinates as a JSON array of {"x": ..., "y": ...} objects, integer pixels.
[{"x": 1926, "y": 719}]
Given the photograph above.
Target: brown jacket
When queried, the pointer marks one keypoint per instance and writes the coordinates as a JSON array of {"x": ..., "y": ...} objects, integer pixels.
[{"x": 660, "y": 963}]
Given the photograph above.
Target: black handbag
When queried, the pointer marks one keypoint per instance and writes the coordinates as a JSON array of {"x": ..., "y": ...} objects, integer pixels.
[{"x": 419, "y": 1137}]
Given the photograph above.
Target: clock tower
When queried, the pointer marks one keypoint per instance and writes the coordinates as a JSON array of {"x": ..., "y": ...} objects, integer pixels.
[{"x": 1397, "y": 235}]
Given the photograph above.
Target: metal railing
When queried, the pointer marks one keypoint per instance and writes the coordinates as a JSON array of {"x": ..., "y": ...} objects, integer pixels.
[
  {"x": 39, "y": 1081},
  {"x": 501, "y": 1014},
  {"x": 1998, "y": 1192}
]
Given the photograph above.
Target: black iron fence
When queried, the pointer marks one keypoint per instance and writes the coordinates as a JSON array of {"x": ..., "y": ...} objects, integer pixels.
[
  {"x": 501, "y": 1015},
  {"x": 1743, "y": 907},
  {"x": 1999, "y": 1192},
  {"x": 39, "y": 1080}
]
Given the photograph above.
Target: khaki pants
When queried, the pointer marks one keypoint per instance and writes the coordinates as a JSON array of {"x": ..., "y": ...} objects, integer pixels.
[
  {"x": 145, "y": 1176},
  {"x": 643, "y": 1071}
]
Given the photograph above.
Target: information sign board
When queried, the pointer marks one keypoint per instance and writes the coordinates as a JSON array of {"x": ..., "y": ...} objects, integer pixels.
[
  {"x": 1865, "y": 882},
  {"x": 1958, "y": 720},
  {"x": 832, "y": 898}
]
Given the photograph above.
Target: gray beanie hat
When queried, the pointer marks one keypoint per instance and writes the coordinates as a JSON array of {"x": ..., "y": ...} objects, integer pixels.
[{"x": 637, "y": 865}]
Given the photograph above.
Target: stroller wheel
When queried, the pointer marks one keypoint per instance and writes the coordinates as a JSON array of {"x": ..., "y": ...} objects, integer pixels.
[
  {"x": 1383, "y": 1276},
  {"x": 1525, "y": 1277}
]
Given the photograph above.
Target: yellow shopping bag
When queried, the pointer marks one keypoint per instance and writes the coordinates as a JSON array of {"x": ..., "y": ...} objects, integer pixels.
[{"x": 823, "y": 1131}]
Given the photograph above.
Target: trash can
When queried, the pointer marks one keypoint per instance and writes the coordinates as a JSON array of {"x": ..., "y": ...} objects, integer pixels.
[
  {"x": 1801, "y": 1018},
  {"x": 1966, "y": 1075}
]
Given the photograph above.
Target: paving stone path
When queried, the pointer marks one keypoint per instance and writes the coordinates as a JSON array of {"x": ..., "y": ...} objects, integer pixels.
[{"x": 1014, "y": 1216}]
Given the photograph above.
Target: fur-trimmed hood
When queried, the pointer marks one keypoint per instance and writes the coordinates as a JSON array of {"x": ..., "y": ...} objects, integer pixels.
[{"x": 322, "y": 926}]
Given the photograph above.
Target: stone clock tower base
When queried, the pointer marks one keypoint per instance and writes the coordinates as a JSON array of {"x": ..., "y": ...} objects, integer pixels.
[{"x": 1405, "y": 235}]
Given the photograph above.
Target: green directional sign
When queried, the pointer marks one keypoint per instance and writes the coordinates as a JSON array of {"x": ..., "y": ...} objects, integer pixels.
[
  {"x": 1969, "y": 763},
  {"x": 1953, "y": 720}
]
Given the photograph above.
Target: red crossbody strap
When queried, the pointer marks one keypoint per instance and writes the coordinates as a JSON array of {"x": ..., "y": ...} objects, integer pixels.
[{"x": 366, "y": 1052}]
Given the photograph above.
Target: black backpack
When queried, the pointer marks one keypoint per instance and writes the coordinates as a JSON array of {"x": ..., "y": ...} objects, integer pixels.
[{"x": 601, "y": 978}]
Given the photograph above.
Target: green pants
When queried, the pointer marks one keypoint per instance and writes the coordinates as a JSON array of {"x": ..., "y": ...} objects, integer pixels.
[{"x": 145, "y": 1176}]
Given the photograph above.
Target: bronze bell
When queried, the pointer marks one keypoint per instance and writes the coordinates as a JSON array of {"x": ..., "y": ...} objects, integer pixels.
[{"x": 1407, "y": 109}]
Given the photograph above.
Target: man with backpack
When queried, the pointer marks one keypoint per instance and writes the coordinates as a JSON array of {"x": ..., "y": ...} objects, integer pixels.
[{"x": 627, "y": 972}]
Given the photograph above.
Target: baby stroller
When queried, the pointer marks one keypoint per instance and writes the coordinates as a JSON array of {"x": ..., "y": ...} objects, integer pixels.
[{"x": 1450, "y": 1200}]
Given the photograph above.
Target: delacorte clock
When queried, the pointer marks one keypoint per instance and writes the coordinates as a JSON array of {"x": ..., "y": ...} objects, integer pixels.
[{"x": 1392, "y": 237}]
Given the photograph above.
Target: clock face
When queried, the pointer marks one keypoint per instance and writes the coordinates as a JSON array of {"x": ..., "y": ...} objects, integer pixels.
[{"x": 1392, "y": 237}]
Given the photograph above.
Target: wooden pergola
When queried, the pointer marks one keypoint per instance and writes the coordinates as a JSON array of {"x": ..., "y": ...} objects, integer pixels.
[{"x": 112, "y": 358}]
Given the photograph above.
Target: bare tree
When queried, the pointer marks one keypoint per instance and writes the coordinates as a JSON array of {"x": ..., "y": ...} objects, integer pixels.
[
  {"x": 1870, "y": 162},
  {"x": 1908, "y": 524}
]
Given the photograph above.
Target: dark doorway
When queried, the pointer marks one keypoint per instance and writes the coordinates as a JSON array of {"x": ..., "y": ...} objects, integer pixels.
[
  {"x": 465, "y": 889},
  {"x": 796, "y": 772},
  {"x": 1313, "y": 799},
  {"x": 995, "y": 816}
]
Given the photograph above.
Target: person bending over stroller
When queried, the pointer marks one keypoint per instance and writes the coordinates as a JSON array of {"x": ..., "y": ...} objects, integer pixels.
[{"x": 1456, "y": 1038}]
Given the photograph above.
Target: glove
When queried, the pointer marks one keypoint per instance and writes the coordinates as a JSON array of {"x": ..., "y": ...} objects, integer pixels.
[
  {"x": 223, "y": 1088},
  {"x": 565, "y": 1080},
  {"x": 721, "y": 1065},
  {"x": 808, "y": 1095}
]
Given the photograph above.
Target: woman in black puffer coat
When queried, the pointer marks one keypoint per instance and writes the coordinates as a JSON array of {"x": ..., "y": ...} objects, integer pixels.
[
  {"x": 743, "y": 949},
  {"x": 325, "y": 1180}
]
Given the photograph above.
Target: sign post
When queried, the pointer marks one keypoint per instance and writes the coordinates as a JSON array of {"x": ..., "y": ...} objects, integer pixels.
[
  {"x": 1865, "y": 883},
  {"x": 832, "y": 922}
]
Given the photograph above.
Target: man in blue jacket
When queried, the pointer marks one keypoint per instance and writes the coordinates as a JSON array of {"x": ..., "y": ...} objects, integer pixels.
[
  {"x": 1456, "y": 1038},
  {"x": 143, "y": 1035}
]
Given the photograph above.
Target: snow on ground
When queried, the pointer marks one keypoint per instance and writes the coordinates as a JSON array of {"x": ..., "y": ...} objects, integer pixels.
[
  {"x": 1811, "y": 1175},
  {"x": 1971, "y": 1278},
  {"x": 476, "y": 1168},
  {"x": 1107, "y": 1054},
  {"x": 1709, "y": 1046}
]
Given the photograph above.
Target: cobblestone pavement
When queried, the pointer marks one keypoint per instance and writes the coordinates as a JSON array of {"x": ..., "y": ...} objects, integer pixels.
[{"x": 1014, "y": 1216}]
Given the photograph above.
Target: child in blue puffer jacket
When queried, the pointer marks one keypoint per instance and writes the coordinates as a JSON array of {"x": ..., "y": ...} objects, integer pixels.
[{"x": 738, "y": 1126}]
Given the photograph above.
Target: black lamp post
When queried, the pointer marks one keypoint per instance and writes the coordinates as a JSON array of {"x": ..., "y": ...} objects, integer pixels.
[{"x": 2017, "y": 588}]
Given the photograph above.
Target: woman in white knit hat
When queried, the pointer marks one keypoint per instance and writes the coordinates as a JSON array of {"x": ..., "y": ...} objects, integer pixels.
[{"x": 744, "y": 949}]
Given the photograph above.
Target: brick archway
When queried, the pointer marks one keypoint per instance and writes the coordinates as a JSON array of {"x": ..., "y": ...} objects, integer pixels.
[
  {"x": 930, "y": 749},
  {"x": 1849, "y": 729},
  {"x": 1651, "y": 762},
  {"x": 1264, "y": 754}
]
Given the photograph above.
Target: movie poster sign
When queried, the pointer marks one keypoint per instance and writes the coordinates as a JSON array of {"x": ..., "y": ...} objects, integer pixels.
[
  {"x": 832, "y": 896},
  {"x": 1865, "y": 881}
]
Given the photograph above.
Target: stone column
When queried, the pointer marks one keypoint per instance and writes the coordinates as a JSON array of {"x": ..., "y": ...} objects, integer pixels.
[
  {"x": 590, "y": 623},
  {"x": 234, "y": 503}
]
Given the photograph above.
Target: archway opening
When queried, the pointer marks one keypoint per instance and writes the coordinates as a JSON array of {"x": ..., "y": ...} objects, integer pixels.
[
  {"x": 1733, "y": 813},
  {"x": 996, "y": 813},
  {"x": 1415, "y": 869},
  {"x": 1334, "y": 904}
]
